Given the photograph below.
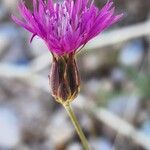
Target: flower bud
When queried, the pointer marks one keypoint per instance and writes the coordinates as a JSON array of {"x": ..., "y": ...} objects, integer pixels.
[{"x": 64, "y": 79}]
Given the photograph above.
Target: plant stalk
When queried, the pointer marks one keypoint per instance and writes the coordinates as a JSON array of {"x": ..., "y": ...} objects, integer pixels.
[{"x": 77, "y": 126}]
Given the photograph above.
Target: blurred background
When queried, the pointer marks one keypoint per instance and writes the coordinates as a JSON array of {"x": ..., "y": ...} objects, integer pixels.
[{"x": 113, "y": 107}]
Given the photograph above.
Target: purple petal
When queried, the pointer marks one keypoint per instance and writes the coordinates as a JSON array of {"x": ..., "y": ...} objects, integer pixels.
[
  {"x": 67, "y": 25},
  {"x": 22, "y": 24}
]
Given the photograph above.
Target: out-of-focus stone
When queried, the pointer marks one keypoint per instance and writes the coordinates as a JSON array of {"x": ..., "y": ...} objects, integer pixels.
[
  {"x": 34, "y": 119},
  {"x": 7, "y": 35},
  {"x": 80, "y": 105},
  {"x": 16, "y": 55},
  {"x": 86, "y": 122},
  {"x": 38, "y": 46},
  {"x": 10, "y": 131},
  {"x": 60, "y": 130},
  {"x": 11, "y": 49},
  {"x": 117, "y": 75},
  {"x": 9, "y": 5},
  {"x": 81, "y": 102},
  {"x": 100, "y": 144},
  {"x": 138, "y": 10},
  {"x": 93, "y": 85},
  {"x": 74, "y": 146},
  {"x": 90, "y": 62},
  {"x": 146, "y": 127},
  {"x": 124, "y": 105},
  {"x": 34, "y": 109},
  {"x": 132, "y": 53},
  {"x": 2, "y": 12},
  {"x": 118, "y": 78}
]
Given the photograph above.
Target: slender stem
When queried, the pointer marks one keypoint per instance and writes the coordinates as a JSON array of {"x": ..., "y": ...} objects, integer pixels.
[{"x": 77, "y": 126}]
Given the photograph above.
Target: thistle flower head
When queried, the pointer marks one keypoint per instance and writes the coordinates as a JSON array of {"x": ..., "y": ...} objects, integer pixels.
[{"x": 66, "y": 25}]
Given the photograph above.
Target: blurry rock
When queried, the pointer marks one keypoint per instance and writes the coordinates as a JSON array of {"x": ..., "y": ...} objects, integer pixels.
[
  {"x": 21, "y": 146},
  {"x": 137, "y": 10},
  {"x": 100, "y": 144},
  {"x": 11, "y": 48},
  {"x": 131, "y": 54},
  {"x": 9, "y": 5},
  {"x": 48, "y": 145},
  {"x": 34, "y": 120},
  {"x": 93, "y": 83},
  {"x": 118, "y": 78},
  {"x": 86, "y": 122},
  {"x": 146, "y": 128},
  {"x": 36, "y": 146},
  {"x": 118, "y": 75},
  {"x": 38, "y": 46},
  {"x": 10, "y": 134},
  {"x": 60, "y": 130},
  {"x": 74, "y": 146},
  {"x": 106, "y": 85},
  {"x": 2, "y": 12},
  {"x": 90, "y": 62},
  {"x": 80, "y": 105},
  {"x": 16, "y": 55},
  {"x": 7, "y": 35},
  {"x": 82, "y": 102},
  {"x": 124, "y": 105},
  {"x": 34, "y": 108}
]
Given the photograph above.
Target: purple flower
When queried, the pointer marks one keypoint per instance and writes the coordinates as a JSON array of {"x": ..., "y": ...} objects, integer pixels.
[
  {"x": 68, "y": 25},
  {"x": 65, "y": 27}
]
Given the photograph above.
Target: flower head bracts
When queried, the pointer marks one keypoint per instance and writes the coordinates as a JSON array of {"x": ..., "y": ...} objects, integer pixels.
[{"x": 67, "y": 25}]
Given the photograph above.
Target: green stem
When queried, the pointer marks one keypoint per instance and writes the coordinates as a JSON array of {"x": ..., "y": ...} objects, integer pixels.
[{"x": 77, "y": 126}]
